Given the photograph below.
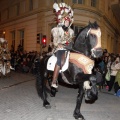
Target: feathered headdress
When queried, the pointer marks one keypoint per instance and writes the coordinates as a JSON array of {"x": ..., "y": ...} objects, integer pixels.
[
  {"x": 2, "y": 40},
  {"x": 63, "y": 12}
]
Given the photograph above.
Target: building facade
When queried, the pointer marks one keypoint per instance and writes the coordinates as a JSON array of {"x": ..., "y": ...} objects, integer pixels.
[{"x": 21, "y": 21}]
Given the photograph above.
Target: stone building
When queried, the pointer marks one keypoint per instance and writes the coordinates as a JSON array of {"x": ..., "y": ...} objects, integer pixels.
[{"x": 22, "y": 21}]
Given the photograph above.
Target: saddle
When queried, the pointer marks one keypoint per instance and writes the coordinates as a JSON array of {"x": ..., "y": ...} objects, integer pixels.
[{"x": 53, "y": 59}]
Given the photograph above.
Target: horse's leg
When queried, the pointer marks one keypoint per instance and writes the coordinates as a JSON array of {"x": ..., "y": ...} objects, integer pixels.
[
  {"x": 77, "y": 113},
  {"x": 49, "y": 80},
  {"x": 41, "y": 86}
]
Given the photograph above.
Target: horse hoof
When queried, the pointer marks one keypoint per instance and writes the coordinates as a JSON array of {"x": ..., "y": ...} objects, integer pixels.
[
  {"x": 52, "y": 95},
  {"x": 53, "y": 92},
  {"x": 47, "y": 106},
  {"x": 78, "y": 117}
]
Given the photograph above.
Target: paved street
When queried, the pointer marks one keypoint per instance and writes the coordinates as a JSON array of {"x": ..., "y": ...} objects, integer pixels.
[{"x": 19, "y": 101}]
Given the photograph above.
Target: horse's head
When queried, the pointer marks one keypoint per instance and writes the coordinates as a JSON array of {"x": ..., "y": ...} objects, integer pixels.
[
  {"x": 91, "y": 92},
  {"x": 94, "y": 35},
  {"x": 88, "y": 41}
]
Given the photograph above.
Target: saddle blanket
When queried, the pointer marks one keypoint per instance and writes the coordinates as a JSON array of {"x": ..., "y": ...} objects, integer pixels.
[{"x": 82, "y": 61}]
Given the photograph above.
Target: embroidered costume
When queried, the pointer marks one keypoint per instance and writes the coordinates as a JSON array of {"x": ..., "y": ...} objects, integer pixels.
[
  {"x": 62, "y": 35},
  {"x": 4, "y": 57}
]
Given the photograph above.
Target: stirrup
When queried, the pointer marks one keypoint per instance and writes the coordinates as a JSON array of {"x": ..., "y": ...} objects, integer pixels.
[{"x": 54, "y": 85}]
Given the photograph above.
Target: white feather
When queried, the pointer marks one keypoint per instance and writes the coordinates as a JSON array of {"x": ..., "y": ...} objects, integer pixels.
[
  {"x": 61, "y": 11},
  {"x": 2, "y": 40},
  {"x": 56, "y": 7},
  {"x": 69, "y": 8},
  {"x": 59, "y": 16},
  {"x": 72, "y": 12},
  {"x": 70, "y": 15},
  {"x": 66, "y": 5},
  {"x": 63, "y": 4},
  {"x": 66, "y": 10},
  {"x": 60, "y": 5}
]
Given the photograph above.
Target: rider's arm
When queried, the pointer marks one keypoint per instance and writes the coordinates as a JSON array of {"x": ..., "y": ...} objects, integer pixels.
[
  {"x": 57, "y": 42},
  {"x": 72, "y": 35},
  {"x": 54, "y": 32}
]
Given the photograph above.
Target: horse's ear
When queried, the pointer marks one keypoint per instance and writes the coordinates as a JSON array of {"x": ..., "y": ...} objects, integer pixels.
[
  {"x": 96, "y": 25},
  {"x": 95, "y": 22},
  {"x": 90, "y": 24}
]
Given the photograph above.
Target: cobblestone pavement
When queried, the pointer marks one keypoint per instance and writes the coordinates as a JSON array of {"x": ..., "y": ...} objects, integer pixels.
[{"x": 19, "y": 101}]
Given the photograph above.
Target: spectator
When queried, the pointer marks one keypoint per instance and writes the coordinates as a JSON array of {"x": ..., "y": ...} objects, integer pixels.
[
  {"x": 99, "y": 76},
  {"x": 29, "y": 64},
  {"x": 117, "y": 82},
  {"x": 115, "y": 66},
  {"x": 105, "y": 60},
  {"x": 49, "y": 48},
  {"x": 25, "y": 68},
  {"x": 107, "y": 68}
]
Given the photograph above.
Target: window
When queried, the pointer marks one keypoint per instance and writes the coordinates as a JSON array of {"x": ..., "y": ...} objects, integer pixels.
[
  {"x": 78, "y": 1},
  {"x": 22, "y": 7},
  {"x": 93, "y": 3},
  {"x": 22, "y": 38},
  {"x": 0, "y": 16},
  {"x": 4, "y": 15},
  {"x": 18, "y": 9},
  {"x": 13, "y": 40},
  {"x": 12, "y": 11},
  {"x": 108, "y": 42},
  {"x": 30, "y": 4},
  {"x": 58, "y": 1},
  {"x": 112, "y": 44}
]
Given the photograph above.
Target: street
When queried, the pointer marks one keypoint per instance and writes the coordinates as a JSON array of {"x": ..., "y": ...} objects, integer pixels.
[{"x": 19, "y": 101}]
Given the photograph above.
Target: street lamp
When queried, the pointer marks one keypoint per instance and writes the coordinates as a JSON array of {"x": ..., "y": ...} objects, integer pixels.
[{"x": 4, "y": 34}]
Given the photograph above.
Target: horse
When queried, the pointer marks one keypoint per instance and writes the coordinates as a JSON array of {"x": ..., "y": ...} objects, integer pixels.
[{"x": 86, "y": 47}]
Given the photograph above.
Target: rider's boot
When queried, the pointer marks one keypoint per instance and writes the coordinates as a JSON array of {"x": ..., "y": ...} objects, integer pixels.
[{"x": 55, "y": 77}]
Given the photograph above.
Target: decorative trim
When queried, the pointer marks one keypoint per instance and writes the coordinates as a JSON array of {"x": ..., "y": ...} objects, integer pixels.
[{"x": 82, "y": 62}]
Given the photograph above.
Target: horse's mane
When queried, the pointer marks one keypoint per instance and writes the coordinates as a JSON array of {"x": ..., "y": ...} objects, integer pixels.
[
  {"x": 93, "y": 25},
  {"x": 81, "y": 40},
  {"x": 83, "y": 31}
]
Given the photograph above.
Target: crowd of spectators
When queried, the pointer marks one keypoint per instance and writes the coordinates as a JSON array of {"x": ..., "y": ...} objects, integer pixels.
[
  {"x": 23, "y": 61},
  {"x": 108, "y": 63}
]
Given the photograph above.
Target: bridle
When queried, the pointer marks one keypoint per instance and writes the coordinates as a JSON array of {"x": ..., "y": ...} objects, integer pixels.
[{"x": 97, "y": 33}]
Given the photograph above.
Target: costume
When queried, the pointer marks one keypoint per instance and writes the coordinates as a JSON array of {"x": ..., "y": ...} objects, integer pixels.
[
  {"x": 4, "y": 57},
  {"x": 62, "y": 34}
]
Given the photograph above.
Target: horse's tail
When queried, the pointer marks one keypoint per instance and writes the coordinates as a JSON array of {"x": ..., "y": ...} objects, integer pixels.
[{"x": 40, "y": 80}]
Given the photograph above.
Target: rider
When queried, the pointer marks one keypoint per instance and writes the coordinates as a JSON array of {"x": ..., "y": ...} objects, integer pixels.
[{"x": 62, "y": 35}]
